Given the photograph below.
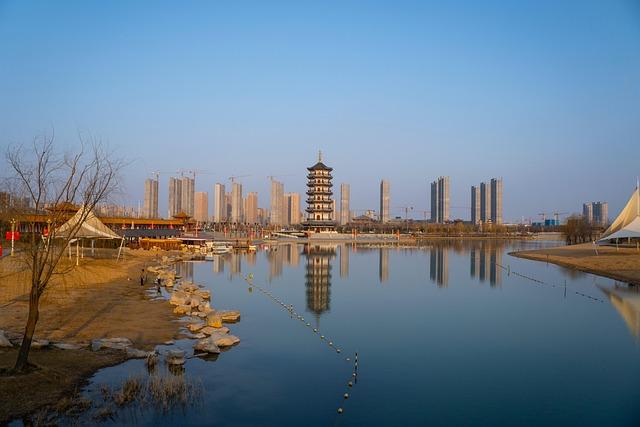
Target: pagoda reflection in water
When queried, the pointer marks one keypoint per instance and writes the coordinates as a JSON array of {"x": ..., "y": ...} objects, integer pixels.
[{"x": 318, "y": 276}]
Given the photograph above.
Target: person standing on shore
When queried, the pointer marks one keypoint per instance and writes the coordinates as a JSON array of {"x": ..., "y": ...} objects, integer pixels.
[{"x": 142, "y": 278}]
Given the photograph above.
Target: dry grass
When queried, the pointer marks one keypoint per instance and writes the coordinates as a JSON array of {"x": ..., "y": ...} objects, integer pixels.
[
  {"x": 131, "y": 391},
  {"x": 167, "y": 391}
]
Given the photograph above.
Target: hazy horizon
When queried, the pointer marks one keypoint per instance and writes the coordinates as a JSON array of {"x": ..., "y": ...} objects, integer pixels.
[{"x": 545, "y": 95}]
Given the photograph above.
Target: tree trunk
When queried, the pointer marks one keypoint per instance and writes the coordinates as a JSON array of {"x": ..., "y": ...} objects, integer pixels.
[{"x": 23, "y": 354}]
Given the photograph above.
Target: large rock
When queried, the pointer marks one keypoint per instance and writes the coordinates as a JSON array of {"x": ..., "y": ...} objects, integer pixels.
[
  {"x": 229, "y": 315},
  {"x": 224, "y": 340},
  {"x": 68, "y": 346},
  {"x": 38, "y": 344},
  {"x": 195, "y": 327},
  {"x": 208, "y": 330},
  {"x": 195, "y": 301},
  {"x": 214, "y": 320},
  {"x": 115, "y": 343},
  {"x": 208, "y": 345},
  {"x": 134, "y": 353},
  {"x": 175, "y": 357},
  {"x": 204, "y": 294},
  {"x": 179, "y": 298},
  {"x": 4, "y": 341},
  {"x": 182, "y": 309}
]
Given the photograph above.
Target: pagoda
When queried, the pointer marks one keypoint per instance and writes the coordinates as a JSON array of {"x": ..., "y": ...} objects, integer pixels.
[{"x": 319, "y": 203}]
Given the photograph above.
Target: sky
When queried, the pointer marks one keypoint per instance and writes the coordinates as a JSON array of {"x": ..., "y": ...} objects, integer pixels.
[{"x": 544, "y": 94}]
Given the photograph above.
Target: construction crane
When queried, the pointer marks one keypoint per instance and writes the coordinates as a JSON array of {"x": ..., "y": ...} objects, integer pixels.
[
  {"x": 556, "y": 216},
  {"x": 406, "y": 211},
  {"x": 406, "y": 214},
  {"x": 278, "y": 176},
  {"x": 199, "y": 172},
  {"x": 234, "y": 177}
]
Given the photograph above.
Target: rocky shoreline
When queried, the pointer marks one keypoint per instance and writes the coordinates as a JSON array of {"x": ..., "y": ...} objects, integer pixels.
[{"x": 118, "y": 335}]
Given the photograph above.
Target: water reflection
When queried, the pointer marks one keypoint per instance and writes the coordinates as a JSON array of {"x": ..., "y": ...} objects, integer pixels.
[
  {"x": 185, "y": 270},
  {"x": 485, "y": 259},
  {"x": 439, "y": 266},
  {"x": 383, "y": 264},
  {"x": 344, "y": 261},
  {"x": 626, "y": 301},
  {"x": 318, "y": 276}
]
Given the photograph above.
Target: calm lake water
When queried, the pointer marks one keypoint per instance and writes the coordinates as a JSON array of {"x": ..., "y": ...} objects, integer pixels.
[{"x": 446, "y": 334}]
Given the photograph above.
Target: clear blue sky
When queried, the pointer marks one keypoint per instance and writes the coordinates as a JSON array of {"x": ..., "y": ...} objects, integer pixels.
[{"x": 545, "y": 94}]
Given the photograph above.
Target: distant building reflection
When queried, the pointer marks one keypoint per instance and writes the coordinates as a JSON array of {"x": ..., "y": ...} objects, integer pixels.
[
  {"x": 344, "y": 261},
  {"x": 484, "y": 259},
  {"x": 275, "y": 257},
  {"x": 383, "y": 264},
  {"x": 626, "y": 301},
  {"x": 217, "y": 264},
  {"x": 439, "y": 265},
  {"x": 318, "y": 276},
  {"x": 236, "y": 263},
  {"x": 292, "y": 254},
  {"x": 185, "y": 270}
]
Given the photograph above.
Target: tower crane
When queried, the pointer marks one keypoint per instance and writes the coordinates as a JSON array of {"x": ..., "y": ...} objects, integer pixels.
[
  {"x": 234, "y": 177},
  {"x": 556, "y": 216}
]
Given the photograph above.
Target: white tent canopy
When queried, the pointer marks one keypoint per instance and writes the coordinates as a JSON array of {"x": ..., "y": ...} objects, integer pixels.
[
  {"x": 627, "y": 224},
  {"x": 91, "y": 228}
]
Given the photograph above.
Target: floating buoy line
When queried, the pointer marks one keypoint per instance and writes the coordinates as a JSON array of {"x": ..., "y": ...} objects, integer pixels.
[
  {"x": 293, "y": 314},
  {"x": 553, "y": 285}
]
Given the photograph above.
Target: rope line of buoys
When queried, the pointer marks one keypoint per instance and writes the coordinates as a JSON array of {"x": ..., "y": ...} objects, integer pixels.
[
  {"x": 553, "y": 285},
  {"x": 353, "y": 379}
]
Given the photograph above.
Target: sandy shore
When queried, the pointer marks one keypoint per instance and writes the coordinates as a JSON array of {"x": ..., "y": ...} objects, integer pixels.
[
  {"x": 621, "y": 264},
  {"x": 98, "y": 299}
]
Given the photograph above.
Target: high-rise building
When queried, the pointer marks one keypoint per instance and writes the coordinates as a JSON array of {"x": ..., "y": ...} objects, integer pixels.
[
  {"x": 345, "y": 215},
  {"x": 440, "y": 200},
  {"x": 587, "y": 212},
  {"x": 219, "y": 203},
  {"x": 188, "y": 192},
  {"x": 485, "y": 203},
  {"x": 263, "y": 215},
  {"x": 496, "y": 200},
  {"x": 151, "y": 198},
  {"x": 236, "y": 203},
  {"x": 319, "y": 202},
  {"x": 384, "y": 201},
  {"x": 175, "y": 196},
  {"x": 227, "y": 203},
  {"x": 201, "y": 208},
  {"x": 251, "y": 208},
  {"x": 278, "y": 204},
  {"x": 475, "y": 204},
  {"x": 293, "y": 208},
  {"x": 334, "y": 209},
  {"x": 596, "y": 213}
]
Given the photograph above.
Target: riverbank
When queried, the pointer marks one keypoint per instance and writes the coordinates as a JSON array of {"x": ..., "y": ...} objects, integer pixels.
[
  {"x": 100, "y": 298},
  {"x": 622, "y": 264}
]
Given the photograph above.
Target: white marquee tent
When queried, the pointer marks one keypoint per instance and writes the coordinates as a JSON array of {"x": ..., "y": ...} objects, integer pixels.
[
  {"x": 91, "y": 228},
  {"x": 627, "y": 224}
]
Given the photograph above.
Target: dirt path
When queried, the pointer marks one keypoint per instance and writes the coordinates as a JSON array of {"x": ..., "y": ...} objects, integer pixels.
[{"x": 621, "y": 264}]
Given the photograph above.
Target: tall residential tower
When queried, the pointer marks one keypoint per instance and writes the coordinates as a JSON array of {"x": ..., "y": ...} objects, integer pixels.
[{"x": 384, "y": 201}]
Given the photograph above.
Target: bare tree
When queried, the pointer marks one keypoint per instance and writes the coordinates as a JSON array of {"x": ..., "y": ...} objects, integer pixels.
[{"x": 52, "y": 180}]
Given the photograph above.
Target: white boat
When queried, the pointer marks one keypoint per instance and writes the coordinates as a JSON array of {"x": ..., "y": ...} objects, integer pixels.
[{"x": 217, "y": 248}]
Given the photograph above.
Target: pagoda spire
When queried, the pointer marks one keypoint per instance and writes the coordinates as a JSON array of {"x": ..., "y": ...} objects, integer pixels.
[{"x": 319, "y": 156}]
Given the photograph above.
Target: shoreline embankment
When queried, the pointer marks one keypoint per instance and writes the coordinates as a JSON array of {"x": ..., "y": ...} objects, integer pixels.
[{"x": 621, "y": 264}]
